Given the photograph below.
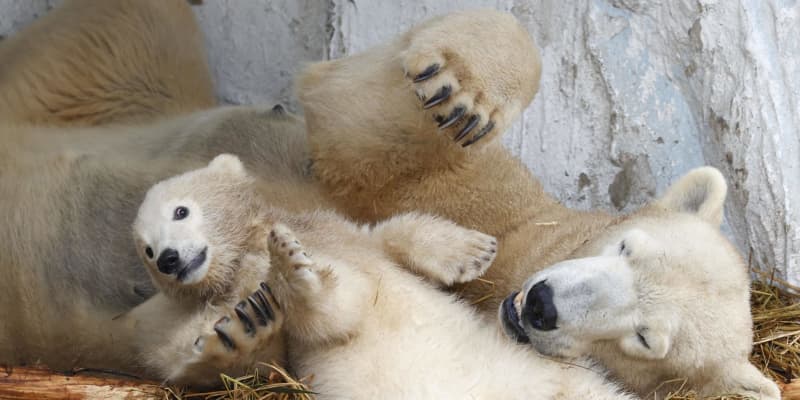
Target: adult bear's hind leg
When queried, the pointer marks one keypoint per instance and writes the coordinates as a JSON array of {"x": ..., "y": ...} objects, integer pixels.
[{"x": 422, "y": 104}]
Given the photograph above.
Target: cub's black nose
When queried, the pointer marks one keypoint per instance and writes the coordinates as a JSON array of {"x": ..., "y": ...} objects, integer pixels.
[
  {"x": 539, "y": 309},
  {"x": 168, "y": 261}
]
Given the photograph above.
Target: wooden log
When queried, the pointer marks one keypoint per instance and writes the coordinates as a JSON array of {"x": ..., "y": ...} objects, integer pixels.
[
  {"x": 27, "y": 383},
  {"x": 791, "y": 391}
]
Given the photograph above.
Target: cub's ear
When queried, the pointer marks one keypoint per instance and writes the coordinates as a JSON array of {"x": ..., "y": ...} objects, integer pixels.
[
  {"x": 702, "y": 192},
  {"x": 227, "y": 163}
]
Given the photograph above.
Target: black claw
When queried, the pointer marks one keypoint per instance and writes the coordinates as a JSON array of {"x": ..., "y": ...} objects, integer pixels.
[
  {"x": 261, "y": 314},
  {"x": 432, "y": 70},
  {"x": 241, "y": 312},
  {"x": 224, "y": 338},
  {"x": 486, "y": 129},
  {"x": 471, "y": 124},
  {"x": 266, "y": 288},
  {"x": 454, "y": 117},
  {"x": 439, "y": 97},
  {"x": 267, "y": 308}
]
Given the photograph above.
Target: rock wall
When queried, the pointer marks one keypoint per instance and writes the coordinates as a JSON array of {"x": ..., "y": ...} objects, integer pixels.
[{"x": 634, "y": 92}]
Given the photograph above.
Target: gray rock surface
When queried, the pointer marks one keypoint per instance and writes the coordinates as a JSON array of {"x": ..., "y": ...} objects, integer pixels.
[{"x": 634, "y": 92}]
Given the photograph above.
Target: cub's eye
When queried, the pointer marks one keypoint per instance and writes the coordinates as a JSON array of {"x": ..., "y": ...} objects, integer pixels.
[
  {"x": 180, "y": 213},
  {"x": 624, "y": 249},
  {"x": 149, "y": 251}
]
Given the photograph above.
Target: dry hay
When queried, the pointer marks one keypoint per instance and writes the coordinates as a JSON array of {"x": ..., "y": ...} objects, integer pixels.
[{"x": 277, "y": 385}]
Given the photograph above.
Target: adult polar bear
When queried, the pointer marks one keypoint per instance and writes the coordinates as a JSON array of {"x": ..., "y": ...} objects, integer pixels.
[
  {"x": 660, "y": 297},
  {"x": 107, "y": 65},
  {"x": 70, "y": 189}
]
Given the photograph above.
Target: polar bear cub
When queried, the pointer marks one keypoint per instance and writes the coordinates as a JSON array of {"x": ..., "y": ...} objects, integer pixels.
[{"x": 354, "y": 320}]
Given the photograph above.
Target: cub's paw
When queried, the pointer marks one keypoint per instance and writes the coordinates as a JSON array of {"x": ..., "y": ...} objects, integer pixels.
[
  {"x": 290, "y": 259},
  {"x": 244, "y": 335},
  {"x": 457, "y": 254},
  {"x": 474, "y": 72},
  {"x": 437, "y": 248}
]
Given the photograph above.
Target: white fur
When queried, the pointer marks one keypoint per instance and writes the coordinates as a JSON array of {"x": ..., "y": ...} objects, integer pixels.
[
  {"x": 656, "y": 292},
  {"x": 157, "y": 229},
  {"x": 357, "y": 322},
  {"x": 368, "y": 330}
]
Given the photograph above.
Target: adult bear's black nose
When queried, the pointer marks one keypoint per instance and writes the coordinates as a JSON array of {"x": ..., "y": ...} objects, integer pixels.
[
  {"x": 539, "y": 309},
  {"x": 168, "y": 261}
]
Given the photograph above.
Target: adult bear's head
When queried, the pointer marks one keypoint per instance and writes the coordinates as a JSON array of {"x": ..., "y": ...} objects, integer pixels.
[{"x": 661, "y": 296}]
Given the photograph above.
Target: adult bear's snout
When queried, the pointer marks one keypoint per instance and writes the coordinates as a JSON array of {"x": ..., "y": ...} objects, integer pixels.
[
  {"x": 539, "y": 310},
  {"x": 169, "y": 261}
]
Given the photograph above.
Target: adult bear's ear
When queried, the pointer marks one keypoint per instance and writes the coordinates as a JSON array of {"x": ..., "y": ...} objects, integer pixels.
[
  {"x": 649, "y": 341},
  {"x": 701, "y": 192},
  {"x": 227, "y": 163}
]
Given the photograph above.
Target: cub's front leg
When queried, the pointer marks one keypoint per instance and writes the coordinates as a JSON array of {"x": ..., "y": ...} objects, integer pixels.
[
  {"x": 192, "y": 344},
  {"x": 323, "y": 297},
  {"x": 235, "y": 340},
  {"x": 436, "y": 248}
]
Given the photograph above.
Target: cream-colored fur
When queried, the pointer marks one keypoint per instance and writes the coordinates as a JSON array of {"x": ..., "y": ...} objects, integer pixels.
[
  {"x": 361, "y": 326},
  {"x": 100, "y": 62},
  {"x": 67, "y": 262},
  {"x": 689, "y": 290},
  {"x": 225, "y": 217},
  {"x": 74, "y": 293}
]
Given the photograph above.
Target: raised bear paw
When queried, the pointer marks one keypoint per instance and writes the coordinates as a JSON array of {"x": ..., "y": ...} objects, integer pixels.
[
  {"x": 291, "y": 260},
  {"x": 244, "y": 336},
  {"x": 450, "y": 103},
  {"x": 468, "y": 259},
  {"x": 451, "y": 254},
  {"x": 437, "y": 248},
  {"x": 474, "y": 72}
]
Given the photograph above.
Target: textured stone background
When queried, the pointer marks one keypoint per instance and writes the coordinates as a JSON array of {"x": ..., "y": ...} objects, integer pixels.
[{"x": 634, "y": 92}]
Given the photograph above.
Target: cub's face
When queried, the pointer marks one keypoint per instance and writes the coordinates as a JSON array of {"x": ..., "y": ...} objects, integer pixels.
[
  {"x": 192, "y": 228},
  {"x": 663, "y": 295},
  {"x": 172, "y": 238}
]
